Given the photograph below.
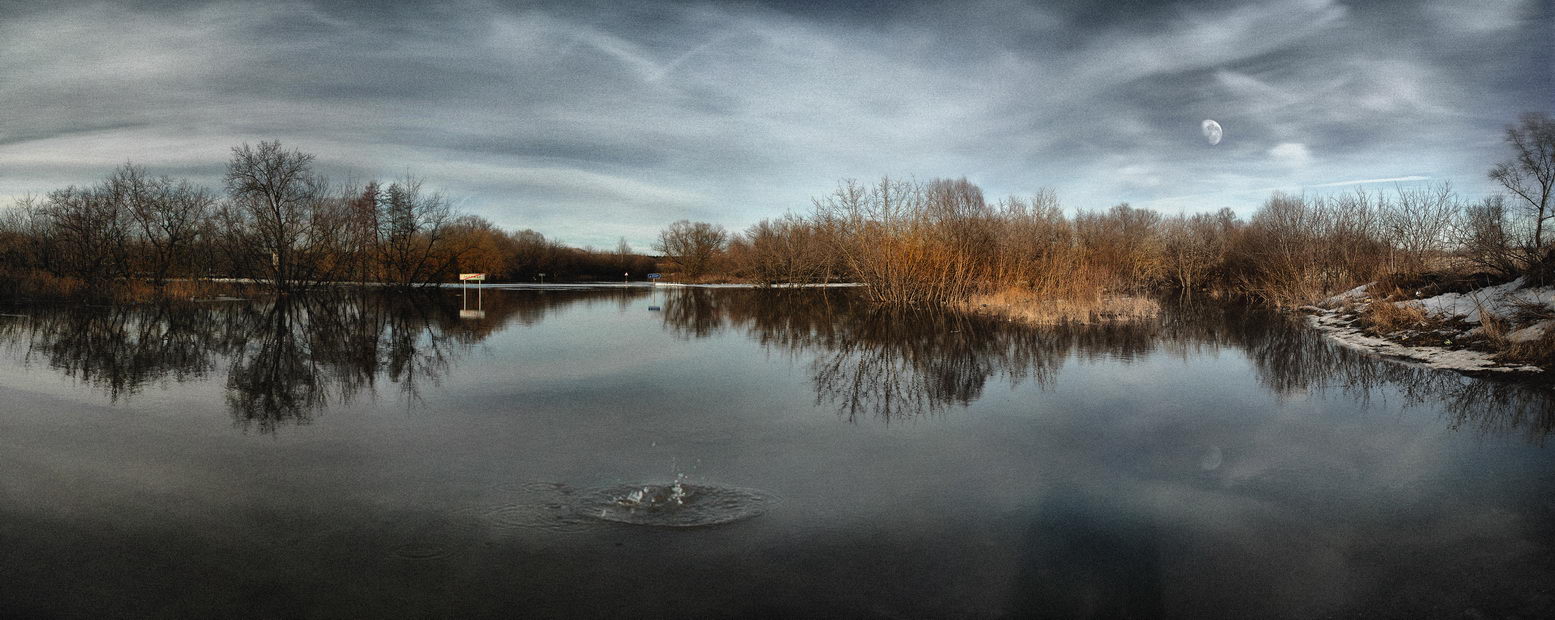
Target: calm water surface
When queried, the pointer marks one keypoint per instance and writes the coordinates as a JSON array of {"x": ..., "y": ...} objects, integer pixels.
[{"x": 385, "y": 457}]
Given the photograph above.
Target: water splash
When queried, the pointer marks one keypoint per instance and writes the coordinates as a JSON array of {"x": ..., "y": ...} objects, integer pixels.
[
  {"x": 653, "y": 497},
  {"x": 678, "y": 504}
]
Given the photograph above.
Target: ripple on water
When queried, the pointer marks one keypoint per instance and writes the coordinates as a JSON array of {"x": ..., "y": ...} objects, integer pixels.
[
  {"x": 674, "y": 505},
  {"x": 534, "y": 505},
  {"x": 423, "y": 550},
  {"x": 438, "y": 538},
  {"x": 433, "y": 538}
]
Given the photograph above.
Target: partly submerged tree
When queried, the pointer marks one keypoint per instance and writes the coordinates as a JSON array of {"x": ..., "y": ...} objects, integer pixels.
[
  {"x": 413, "y": 233},
  {"x": 274, "y": 212},
  {"x": 692, "y": 244}
]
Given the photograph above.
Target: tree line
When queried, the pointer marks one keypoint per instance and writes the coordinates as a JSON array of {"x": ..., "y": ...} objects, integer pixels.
[
  {"x": 275, "y": 221},
  {"x": 943, "y": 242},
  {"x": 938, "y": 242}
]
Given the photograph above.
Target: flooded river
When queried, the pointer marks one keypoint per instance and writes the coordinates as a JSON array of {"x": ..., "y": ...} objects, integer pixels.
[{"x": 631, "y": 452}]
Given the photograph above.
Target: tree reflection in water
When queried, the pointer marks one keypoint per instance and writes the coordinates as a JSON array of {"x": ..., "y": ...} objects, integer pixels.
[
  {"x": 285, "y": 360},
  {"x": 891, "y": 365},
  {"x": 119, "y": 349}
]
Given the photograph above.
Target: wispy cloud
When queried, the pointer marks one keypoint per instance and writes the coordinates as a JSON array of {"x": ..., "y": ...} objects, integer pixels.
[
  {"x": 1293, "y": 154},
  {"x": 596, "y": 122},
  {"x": 1408, "y": 179}
]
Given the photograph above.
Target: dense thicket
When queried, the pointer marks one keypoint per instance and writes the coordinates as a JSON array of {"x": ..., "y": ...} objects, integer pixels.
[{"x": 942, "y": 242}]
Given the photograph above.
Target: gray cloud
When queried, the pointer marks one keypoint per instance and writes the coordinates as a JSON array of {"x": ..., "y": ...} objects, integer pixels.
[{"x": 591, "y": 122}]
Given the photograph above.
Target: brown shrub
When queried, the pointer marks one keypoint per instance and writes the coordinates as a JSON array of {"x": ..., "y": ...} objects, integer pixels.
[
  {"x": 1385, "y": 316},
  {"x": 1539, "y": 351}
]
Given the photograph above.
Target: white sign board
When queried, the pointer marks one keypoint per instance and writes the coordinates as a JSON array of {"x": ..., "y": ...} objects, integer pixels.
[{"x": 472, "y": 277}]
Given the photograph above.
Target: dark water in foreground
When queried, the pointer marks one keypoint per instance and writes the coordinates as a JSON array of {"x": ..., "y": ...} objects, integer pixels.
[{"x": 630, "y": 453}]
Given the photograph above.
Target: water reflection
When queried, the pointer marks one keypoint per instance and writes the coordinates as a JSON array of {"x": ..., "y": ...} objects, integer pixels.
[
  {"x": 119, "y": 349},
  {"x": 284, "y": 360},
  {"x": 891, "y": 365},
  {"x": 1088, "y": 556}
]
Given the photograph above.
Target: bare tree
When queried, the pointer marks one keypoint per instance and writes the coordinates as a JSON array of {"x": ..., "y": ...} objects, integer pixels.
[
  {"x": 1417, "y": 222},
  {"x": 1124, "y": 239},
  {"x": 1356, "y": 235},
  {"x": 358, "y": 238},
  {"x": 782, "y": 250},
  {"x": 623, "y": 256},
  {"x": 1193, "y": 246},
  {"x": 413, "y": 233},
  {"x": 1486, "y": 237},
  {"x": 27, "y": 240},
  {"x": 692, "y": 244},
  {"x": 168, "y": 217},
  {"x": 275, "y": 197},
  {"x": 1530, "y": 174},
  {"x": 532, "y": 255},
  {"x": 92, "y": 231},
  {"x": 1280, "y": 254}
]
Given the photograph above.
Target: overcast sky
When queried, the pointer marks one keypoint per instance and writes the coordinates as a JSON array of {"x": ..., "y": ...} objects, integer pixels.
[{"x": 594, "y": 122}]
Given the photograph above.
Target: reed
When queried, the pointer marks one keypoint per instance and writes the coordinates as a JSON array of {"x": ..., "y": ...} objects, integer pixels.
[{"x": 1025, "y": 306}]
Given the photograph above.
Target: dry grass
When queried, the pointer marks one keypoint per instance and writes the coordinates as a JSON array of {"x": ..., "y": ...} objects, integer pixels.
[
  {"x": 38, "y": 284},
  {"x": 709, "y": 278},
  {"x": 1386, "y": 317},
  {"x": 1494, "y": 329},
  {"x": 42, "y": 284},
  {"x": 140, "y": 291},
  {"x": 1525, "y": 312},
  {"x": 1024, "y": 306},
  {"x": 1539, "y": 351}
]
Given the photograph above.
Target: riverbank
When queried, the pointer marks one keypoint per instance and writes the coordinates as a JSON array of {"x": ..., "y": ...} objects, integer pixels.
[
  {"x": 751, "y": 285},
  {"x": 1494, "y": 328}
]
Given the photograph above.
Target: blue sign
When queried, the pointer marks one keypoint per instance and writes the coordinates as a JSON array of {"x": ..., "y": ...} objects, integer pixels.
[{"x": 654, "y": 276}]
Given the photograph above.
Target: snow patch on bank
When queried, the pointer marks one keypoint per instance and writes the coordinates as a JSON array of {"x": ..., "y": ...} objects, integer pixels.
[
  {"x": 1501, "y": 301},
  {"x": 1355, "y": 294},
  {"x": 1531, "y": 332},
  {"x": 1339, "y": 327}
]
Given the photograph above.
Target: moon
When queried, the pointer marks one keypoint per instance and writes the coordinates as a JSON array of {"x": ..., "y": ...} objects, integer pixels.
[
  {"x": 1212, "y": 459},
  {"x": 1212, "y": 131}
]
